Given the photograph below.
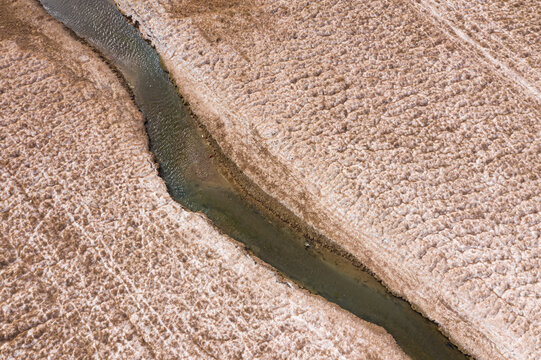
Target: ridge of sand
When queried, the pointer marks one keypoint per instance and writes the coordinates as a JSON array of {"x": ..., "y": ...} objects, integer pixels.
[
  {"x": 96, "y": 260},
  {"x": 393, "y": 138}
]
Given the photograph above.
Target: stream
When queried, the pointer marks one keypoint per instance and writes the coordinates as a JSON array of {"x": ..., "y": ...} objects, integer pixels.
[{"x": 194, "y": 179}]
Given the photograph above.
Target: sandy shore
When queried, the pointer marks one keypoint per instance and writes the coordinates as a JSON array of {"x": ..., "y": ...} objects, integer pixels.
[
  {"x": 96, "y": 260},
  {"x": 391, "y": 128}
]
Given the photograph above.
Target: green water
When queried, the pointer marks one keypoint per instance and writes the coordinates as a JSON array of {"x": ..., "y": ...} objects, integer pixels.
[{"x": 193, "y": 179}]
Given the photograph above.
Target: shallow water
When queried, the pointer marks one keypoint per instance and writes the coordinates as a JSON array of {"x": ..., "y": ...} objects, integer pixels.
[{"x": 193, "y": 179}]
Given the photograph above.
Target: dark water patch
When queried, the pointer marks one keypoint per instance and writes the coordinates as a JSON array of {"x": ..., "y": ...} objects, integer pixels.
[{"x": 195, "y": 180}]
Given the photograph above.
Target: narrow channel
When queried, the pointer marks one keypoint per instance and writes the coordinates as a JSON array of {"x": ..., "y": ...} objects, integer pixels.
[{"x": 194, "y": 179}]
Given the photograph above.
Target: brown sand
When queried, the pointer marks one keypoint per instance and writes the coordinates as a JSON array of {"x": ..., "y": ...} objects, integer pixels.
[
  {"x": 96, "y": 260},
  {"x": 390, "y": 130}
]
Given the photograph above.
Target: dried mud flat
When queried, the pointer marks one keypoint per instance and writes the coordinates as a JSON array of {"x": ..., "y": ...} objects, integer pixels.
[
  {"x": 409, "y": 132},
  {"x": 96, "y": 260}
]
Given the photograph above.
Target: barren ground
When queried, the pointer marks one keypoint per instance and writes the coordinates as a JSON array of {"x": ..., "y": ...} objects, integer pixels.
[
  {"x": 96, "y": 260},
  {"x": 408, "y": 132}
]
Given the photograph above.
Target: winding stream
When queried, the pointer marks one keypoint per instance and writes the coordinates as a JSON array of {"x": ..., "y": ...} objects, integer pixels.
[{"x": 194, "y": 179}]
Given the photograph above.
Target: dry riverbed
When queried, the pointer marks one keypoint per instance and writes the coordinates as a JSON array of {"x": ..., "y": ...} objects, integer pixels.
[
  {"x": 96, "y": 260},
  {"x": 408, "y": 132}
]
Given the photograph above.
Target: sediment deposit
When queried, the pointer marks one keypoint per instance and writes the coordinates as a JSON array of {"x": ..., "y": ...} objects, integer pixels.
[
  {"x": 96, "y": 260},
  {"x": 390, "y": 127}
]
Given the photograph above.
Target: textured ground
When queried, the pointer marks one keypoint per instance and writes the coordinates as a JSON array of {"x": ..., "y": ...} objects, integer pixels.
[
  {"x": 96, "y": 260},
  {"x": 505, "y": 33},
  {"x": 392, "y": 127}
]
